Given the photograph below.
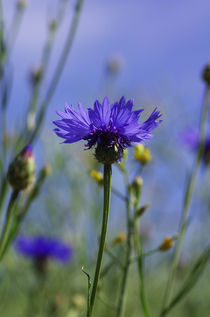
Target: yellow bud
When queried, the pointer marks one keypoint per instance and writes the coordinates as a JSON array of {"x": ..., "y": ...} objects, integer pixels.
[
  {"x": 97, "y": 176},
  {"x": 21, "y": 4},
  {"x": 121, "y": 237},
  {"x": 167, "y": 244},
  {"x": 142, "y": 154},
  {"x": 46, "y": 170},
  {"x": 142, "y": 209},
  {"x": 79, "y": 301}
]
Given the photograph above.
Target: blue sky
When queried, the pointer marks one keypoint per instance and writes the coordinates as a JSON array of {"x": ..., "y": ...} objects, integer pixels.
[{"x": 164, "y": 45}]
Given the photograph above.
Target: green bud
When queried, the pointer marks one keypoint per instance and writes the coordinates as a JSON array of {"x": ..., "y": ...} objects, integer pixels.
[
  {"x": 36, "y": 74},
  {"x": 53, "y": 25},
  {"x": 108, "y": 155},
  {"x": 20, "y": 174},
  {"x": 206, "y": 74},
  {"x": 21, "y": 4},
  {"x": 136, "y": 187},
  {"x": 142, "y": 209}
]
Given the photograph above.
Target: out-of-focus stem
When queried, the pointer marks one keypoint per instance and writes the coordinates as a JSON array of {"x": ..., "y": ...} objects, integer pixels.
[
  {"x": 3, "y": 191},
  {"x": 107, "y": 195},
  {"x": 37, "y": 86},
  {"x": 14, "y": 29},
  {"x": 58, "y": 71},
  {"x": 9, "y": 215},
  {"x": 187, "y": 199},
  {"x": 138, "y": 249},
  {"x": 121, "y": 300}
]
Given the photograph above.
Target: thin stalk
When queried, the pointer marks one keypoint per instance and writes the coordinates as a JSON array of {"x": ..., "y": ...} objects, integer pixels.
[
  {"x": 3, "y": 191},
  {"x": 14, "y": 28},
  {"x": 118, "y": 194},
  {"x": 121, "y": 300},
  {"x": 107, "y": 195},
  {"x": 187, "y": 199},
  {"x": 9, "y": 215},
  {"x": 37, "y": 86},
  {"x": 58, "y": 71},
  {"x": 138, "y": 249}
]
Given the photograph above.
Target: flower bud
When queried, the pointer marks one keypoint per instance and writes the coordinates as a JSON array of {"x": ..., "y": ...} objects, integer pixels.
[
  {"x": 142, "y": 209},
  {"x": 206, "y": 74},
  {"x": 21, "y": 171},
  {"x": 36, "y": 74},
  {"x": 108, "y": 154},
  {"x": 136, "y": 187},
  {"x": 121, "y": 237},
  {"x": 97, "y": 176},
  {"x": 142, "y": 154},
  {"x": 46, "y": 170},
  {"x": 115, "y": 64},
  {"x": 53, "y": 25},
  {"x": 21, "y": 4},
  {"x": 167, "y": 244},
  {"x": 79, "y": 301}
]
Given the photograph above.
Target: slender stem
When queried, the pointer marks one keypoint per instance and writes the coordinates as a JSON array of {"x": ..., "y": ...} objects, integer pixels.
[
  {"x": 9, "y": 214},
  {"x": 59, "y": 69},
  {"x": 118, "y": 194},
  {"x": 187, "y": 199},
  {"x": 14, "y": 29},
  {"x": 138, "y": 249},
  {"x": 3, "y": 191},
  {"x": 121, "y": 299},
  {"x": 107, "y": 195}
]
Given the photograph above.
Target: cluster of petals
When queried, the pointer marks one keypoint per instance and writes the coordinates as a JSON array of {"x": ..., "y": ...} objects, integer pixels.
[
  {"x": 41, "y": 247},
  {"x": 114, "y": 124}
]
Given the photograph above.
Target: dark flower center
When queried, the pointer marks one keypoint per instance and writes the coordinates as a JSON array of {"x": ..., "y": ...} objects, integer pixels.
[{"x": 109, "y": 144}]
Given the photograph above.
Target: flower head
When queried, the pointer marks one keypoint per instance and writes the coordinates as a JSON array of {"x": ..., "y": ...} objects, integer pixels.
[
  {"x": 43, "y": 248},
  {"x": 191, "y": 137},
  {"x": 108, "y": 128},
  {"x": 21, "y": 171}
]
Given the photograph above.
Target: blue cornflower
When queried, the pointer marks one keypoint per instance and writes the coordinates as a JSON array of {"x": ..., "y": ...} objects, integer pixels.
[
  {"x": 108, "y": 128},
  {"x": 191, "y": 137},
  {"x": 41, "y": 248}
]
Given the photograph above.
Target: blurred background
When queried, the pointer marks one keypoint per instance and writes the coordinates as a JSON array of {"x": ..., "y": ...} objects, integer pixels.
[{"x": 154, "y": 52}]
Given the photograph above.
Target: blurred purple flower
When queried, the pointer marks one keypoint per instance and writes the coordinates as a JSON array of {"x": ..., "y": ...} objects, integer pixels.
[
  {"x": 111, "y": 128},
  {"x": 43, "y": 248},
  {"x": 191, "y": 137}
]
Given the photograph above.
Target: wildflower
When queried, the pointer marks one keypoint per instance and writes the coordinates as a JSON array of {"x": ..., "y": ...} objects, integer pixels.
[
  {"x": 97, "y": 176},
  {"x": 20, "y": 174},
  {"x": 136, "y": 187},
  {"x": 142, "y": 154},
  {"x": 192, "y": 138},
  {"x": 167, "y": 244},
  {"x": 141, "y": 210},
  {"x": 108, "y": 128},
  {"x": 40, "y": 249},
  {"x": 121, "y": 237},
  {"x": 115, "y": 64}
]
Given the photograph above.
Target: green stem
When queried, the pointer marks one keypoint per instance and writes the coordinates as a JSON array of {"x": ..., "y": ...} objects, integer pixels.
[
  {"x": 138, "y": 249},
  {"x": 121, "y": 299},
  {"x": 58, "y": 71},
  {"x": 9, "y": 214},
  {"x": 187, "y": 199},
  {"x": 107, "y": 195}
]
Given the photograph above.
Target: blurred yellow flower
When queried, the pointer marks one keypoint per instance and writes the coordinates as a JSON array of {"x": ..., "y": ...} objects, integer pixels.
[{"x": 142, "y": 154}]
